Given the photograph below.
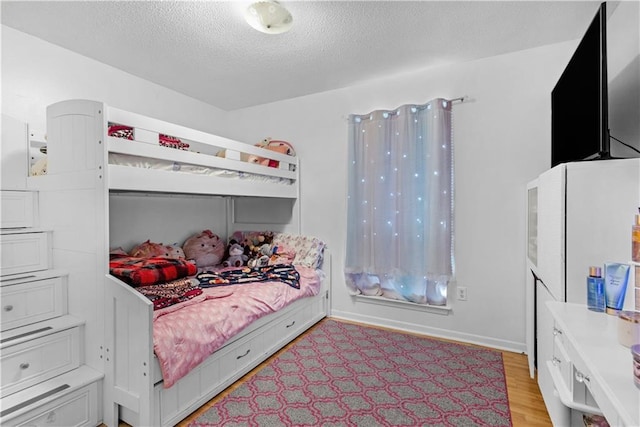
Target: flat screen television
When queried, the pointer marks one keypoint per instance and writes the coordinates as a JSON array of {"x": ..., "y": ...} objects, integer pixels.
[{"x": 579, "y": 100}]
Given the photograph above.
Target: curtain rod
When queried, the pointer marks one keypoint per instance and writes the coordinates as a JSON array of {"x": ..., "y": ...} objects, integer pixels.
[{"x": 459, "y": 99}]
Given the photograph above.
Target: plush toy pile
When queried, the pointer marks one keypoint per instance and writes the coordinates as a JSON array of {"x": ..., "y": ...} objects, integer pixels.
[
  {"x": 206, "y": 249},
  {"x": 149, "y": 249}
]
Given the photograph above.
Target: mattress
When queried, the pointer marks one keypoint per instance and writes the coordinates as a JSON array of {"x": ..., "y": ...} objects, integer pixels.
[
  {"x": 184, "y": 335},
  {"x": 168, "y": 166}
]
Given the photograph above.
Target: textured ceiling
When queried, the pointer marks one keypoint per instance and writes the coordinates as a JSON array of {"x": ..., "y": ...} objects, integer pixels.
[{"x": 205, "y": 49}]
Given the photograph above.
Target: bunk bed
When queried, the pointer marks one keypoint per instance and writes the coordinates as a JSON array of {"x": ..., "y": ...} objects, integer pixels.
[{"x": 101, "y": 159}]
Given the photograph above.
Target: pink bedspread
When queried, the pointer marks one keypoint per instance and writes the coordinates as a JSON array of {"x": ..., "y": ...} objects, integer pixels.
[{"x": 184, "y": 335}]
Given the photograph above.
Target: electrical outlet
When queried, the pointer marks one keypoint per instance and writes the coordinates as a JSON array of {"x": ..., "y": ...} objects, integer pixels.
[{"x": 462, "y": 293}]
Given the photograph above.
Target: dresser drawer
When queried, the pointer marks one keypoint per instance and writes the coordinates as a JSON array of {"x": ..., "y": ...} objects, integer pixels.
[
  {"x": 562, "y": 362},
  {"x": 79, "y": 408},
  {"x": 37, "y": 360},
  {"x": 17, "y": 208},
  {"x": 24, "y": 252},
  {"x": 24, "y": 303}
]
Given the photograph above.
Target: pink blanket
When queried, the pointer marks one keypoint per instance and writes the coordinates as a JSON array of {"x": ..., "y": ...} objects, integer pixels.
[{"x": 184, "y": 335}]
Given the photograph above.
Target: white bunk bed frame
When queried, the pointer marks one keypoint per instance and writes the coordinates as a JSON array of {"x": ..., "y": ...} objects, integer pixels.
[{"x": 119, "y": 326}]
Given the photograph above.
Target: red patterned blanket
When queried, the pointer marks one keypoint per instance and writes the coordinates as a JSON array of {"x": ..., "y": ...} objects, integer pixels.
[{"x": 149, "y": 271}]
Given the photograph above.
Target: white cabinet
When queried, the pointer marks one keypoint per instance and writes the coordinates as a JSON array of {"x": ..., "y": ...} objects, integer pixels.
[
  {"x": 584, "y": 215},
  {"x": 579, "y": 215},
  {"x": 43, "y": 380},
  {"x": 551, "y": 230}
]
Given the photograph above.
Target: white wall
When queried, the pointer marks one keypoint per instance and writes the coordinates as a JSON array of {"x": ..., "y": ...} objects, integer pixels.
[
  {"x": 36, "y": 74},
  {"x": 501, "y": 141}
]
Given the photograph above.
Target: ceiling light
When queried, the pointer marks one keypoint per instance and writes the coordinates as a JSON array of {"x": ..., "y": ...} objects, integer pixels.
[{"x": 269, "y": 17}]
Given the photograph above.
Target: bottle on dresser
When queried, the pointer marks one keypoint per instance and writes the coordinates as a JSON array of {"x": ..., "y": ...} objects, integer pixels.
[{"x": 595, "y": 290}]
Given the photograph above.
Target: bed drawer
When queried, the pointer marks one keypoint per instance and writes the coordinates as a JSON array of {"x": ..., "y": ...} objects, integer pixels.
[
  {"x": 39, "y": 359},
  {"x": 219, "y": 371},
  {"x": 243, "y": 353},
  {"x": 24, "y": 252},
  {"x": 25, "y": 302},
  {"x": 79, "y": 408},
  {"x": 291, "y": 324}
]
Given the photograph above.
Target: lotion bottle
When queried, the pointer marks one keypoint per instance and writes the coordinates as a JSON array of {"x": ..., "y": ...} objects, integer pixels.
[{"x": 595, "y": 290}]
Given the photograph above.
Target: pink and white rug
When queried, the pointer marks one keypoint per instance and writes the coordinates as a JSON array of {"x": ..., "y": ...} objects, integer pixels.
[{"x": 341, "y": 374}]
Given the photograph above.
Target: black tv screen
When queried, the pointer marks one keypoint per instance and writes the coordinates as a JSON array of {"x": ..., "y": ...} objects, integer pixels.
[{"x": 579, "y": 103}]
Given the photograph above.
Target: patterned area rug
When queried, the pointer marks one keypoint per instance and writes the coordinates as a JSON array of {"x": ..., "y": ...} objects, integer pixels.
[{"x": 342, "y": 374}]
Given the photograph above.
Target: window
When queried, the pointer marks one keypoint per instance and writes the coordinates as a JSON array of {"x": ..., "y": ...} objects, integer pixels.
[{"x": 400, "y": 203}]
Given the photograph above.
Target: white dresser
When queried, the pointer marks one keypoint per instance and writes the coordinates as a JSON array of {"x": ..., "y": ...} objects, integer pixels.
[
  {"x": 591, "y": 371},
  {"x": 43, "y": 381}
]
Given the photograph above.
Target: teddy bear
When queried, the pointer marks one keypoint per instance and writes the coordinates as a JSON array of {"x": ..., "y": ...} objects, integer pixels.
[
  {"x": 278, "y": 146},
  {"x": 236, "y": 258},
  {"x": 205, "y": 248}
]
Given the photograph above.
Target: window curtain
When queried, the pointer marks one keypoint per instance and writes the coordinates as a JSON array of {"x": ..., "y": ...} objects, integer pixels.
[{"x": 400, "y": 203}]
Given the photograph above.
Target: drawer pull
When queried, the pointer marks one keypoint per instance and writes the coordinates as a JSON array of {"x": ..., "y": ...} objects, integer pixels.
[
  {"x": 243, "y": 355},
  {"x": 8, "y": 308},
  {"x": 292, "y": 323},
  {"x": 24, "y": 366},
  {"x": 556, "y": 361},
  {"x": 51, "y": 417},
  {"x": 556, "y": 332}
]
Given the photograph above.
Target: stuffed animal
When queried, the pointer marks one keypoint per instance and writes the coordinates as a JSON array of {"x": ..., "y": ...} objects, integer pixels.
[
  {"x": 255, "y": 241},
  {"x": 236, "y": 258},
  {"x": 260, "y": 255},
  {"x": 39, "y": 168},
  {"x": 281, "y": 254},
  {"x": 175, "y": 251},
  {"x": 205, "y": 248},
  {"x": 282, "y": 147},
  {"x": 150, "y": 249},
  {"x": 118, "y": 252}
]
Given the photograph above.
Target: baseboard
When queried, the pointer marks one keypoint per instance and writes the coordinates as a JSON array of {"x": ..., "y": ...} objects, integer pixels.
[{"x": 432, "y": 332}]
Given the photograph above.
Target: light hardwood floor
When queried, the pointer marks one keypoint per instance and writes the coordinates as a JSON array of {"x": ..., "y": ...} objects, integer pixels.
[{"x": 525, "y": 400}]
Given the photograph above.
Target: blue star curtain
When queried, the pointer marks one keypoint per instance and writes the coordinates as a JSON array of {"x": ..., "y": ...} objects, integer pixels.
[{"x": 400, "y": 203}]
